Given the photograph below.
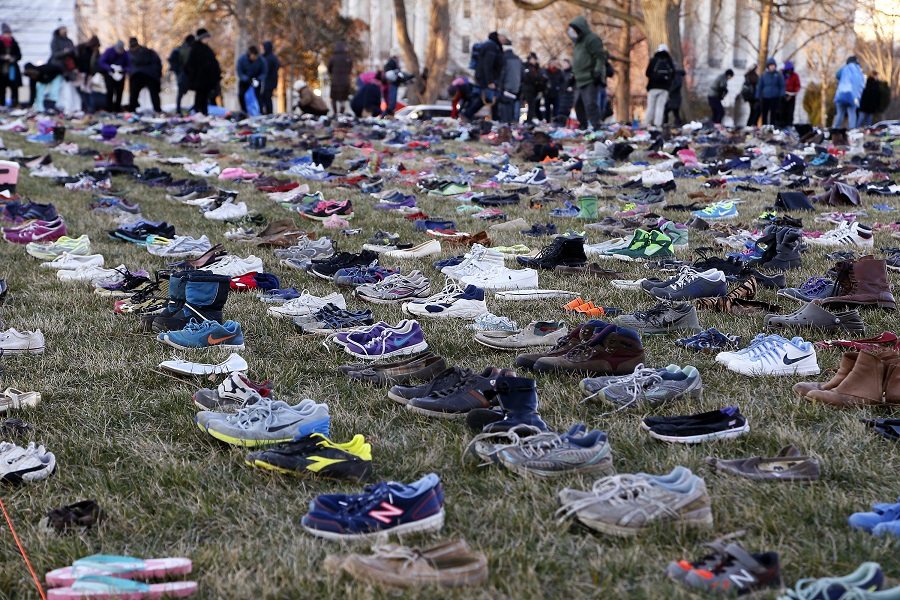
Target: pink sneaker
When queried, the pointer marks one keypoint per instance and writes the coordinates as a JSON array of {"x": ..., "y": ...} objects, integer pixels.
[
  {"x": 335, "y": 222},
  {"x": 37, "y": 231}
]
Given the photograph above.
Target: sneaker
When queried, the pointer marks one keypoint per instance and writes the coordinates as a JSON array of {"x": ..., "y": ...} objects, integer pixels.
[
  {"x": 492, "y": 322},
  {"x": 814, "y": 288},
  {"x": 554, "y": 455},
  {"x": 208, "y": 334},
  {"x": 454, "y": 401},
  {"x": 457, "y": 303},
  {"x": 727, "y": 423},
  {"x": 21, "y": 342},
  {"x": 447, "y": 378},
  {"x": 654, "y": 245},
  {"x": 331, "y": 319},
  {"x": 91, "y": 274},
  {"x": 535, "y": 176},
  {"x": 738, "y": 573},
  {"x": 404, "y": 339},
  {"x": 231, "y": 394},
  {"x": 710, "y": 340},
  {"x": 396, "y": 288},
  {"x": 386, "y": 507},
  {"x": 776, "y": 355},
  {"x": 36, "y": 231},
  {"x": 70, "y": 262},
  {"x": 183, "y": 246},
  {"x": 501, "y": 278},
  {"x": 64, "y": 245},
  {"x": 357, "y": 276},
  {"x": 719, "y": 211},
  {"x": 863, "y": 584},
  {"x": 235, "y": 266},
  {"x": 478, "y": 260},
  {"x": 846, "y": 234},
  {"x": 651, "y": 386},
  {"x": 345, "y": 260},
  {"x": 25, "y": 465},
  {"x": 626, "y": 505},
  {"x": 536, "y": 334},
  {"x": 662, "y": 318},
  {"x": 234, "y": 363},
  {"x": 265, "y": 422},
  {"x": 315, "y": 455},
  {"x": 693, "y": 285}
]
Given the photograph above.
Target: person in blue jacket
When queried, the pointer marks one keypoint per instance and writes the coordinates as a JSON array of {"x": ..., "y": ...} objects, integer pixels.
[
  {"x": 769, "y": 91},
  {"x": 115, "y": 64},
  {"x": 251, "y": 72},
  {"x": 849, "y": 90}
]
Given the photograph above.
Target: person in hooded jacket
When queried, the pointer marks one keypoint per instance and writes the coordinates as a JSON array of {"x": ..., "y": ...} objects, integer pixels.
[
  {"x": 589, "y": 69},
  {"x": 145, "y": 72},
  {"x": 849, "y": 91},
  {"x": 769, "y": 91},
  {"x": 391, "y": 72},
  {"x": 10, "y": 76},
  {"x": 748, "y": 95},
  {"x": 177, "y": 59},
  {"x": 488, "y": 71},
  {"x": 660, "y": 72},
  {"x": 717, "y": 93},
  {"x": 251, "y": 73},
  {"x": 340, "y": 66},
  {"x": 114, "y": 64},
  {"x": 203, "y": 71},
  {"x": 61, "y": 47},
  {"x": 307, "y": 101},
  {"x": 273, "y": 65}
]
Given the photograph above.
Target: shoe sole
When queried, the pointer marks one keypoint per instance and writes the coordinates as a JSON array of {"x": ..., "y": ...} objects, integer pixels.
[
  {"x": 399, "y": 399},
  {"x": 700, "y": 521},
  {"x": 728, "y": 434},
  {"x": 523, "y": 295},
  {"x": 467, "y": 314},
  {"x": 312, "y": 218},
  {"x": 7, "y": 351},
  {"x": 538, "y": 346},
  {"x": 259, "y": 464},
  {"x": 665, "y": 330},
  {"x": 394, "y": 301},
  {"x": 627, "y": 258},
  {"x": 778, "y": 372},
  {"x": 420, "y": 347},
  {"x": 602, "y": 468},
  {"x": 447, "y": 416},
  {"x": 224, "y": 346},
  {"x": 319, "y": 426},
  {"x": 432, "y": 523}
]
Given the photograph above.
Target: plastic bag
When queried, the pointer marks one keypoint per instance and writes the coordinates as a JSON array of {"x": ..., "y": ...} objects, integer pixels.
[{"x": 252, "y": 103}]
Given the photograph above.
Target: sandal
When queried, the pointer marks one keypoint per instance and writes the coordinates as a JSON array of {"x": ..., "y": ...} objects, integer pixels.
[
  {"x": 101, "y": 587},
  {"x": 885, "y": 341},
  {"x": 211, "y": 255},
  {"x": 13, "y": 398},
  {"x": 86, "y": 513},
  {"x": 119, "y": 567}
]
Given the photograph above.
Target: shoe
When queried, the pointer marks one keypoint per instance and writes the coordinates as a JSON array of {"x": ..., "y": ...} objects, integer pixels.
[
  {"x": 846, "y": 234},
  {"x": 395, "y": 288},
  {"x": 626, "y": 505},
  {"x": 424, "y": 249},
  {"x": 64, "y": 245},
  {"x": 788, "y": 465},
  {"x": 536, "y": 334},
  {"x": 453, "y": 302},
  {"x": 564, "y": 250},
  {"x": 727, "y": 423},
  {"x": 678, "y": 570},
  {"x": 345, "y": 260},
  {"x": 235, "y": 266},
  {"x": 776, "y": 355},
  {"x": 719, "y": 211},
  {"x": 265, "y": 422},
  {"x": 654, "y": 245},
  {"x": 450, "y": 377},
  {"x": 306, "y": 304},
  {"x": 871, "y": 381},
  {"x": 739, "y": 573},
  {"x": 382, "y": 508},
  {"x": 814, "y": 288},
  {"x": 579, "y": 336},
  {"x": 477, "y": 261},
  {"x": 560, "y": 455},
  {"x": 234, "y": 363},
  {"x": 315, "y": 455},
  {"x": 70, "y": 262},
  {"x": 25, "y": 465},
  {"x": 650, "y": 386},
  {"x": 861, "y": 282},
  {"x": 21, "y": 342},
  {"x": 182, "y": 246},
  {"x": 231, "y": 394},
  {"x": 423, "y": 367},
  {"x": 406, "y": 338},
  {"x": 208, "y": 334},
  {"x": 331, "y": 319},
  {"x": 196, "y": 295},
  {"x": 36, "y": 231},
  {"x": 693, "y": 285},
  {"x": 466, "y": 394},
  {"x": 811, "y": 315},
  {"x": 501, "y": 278},
  {"x": 79, "y": 515},
  {"x": 227, "y": 211},
  {"x": 613, "y": 350},
  {"x": 881, "y": 514},
  {"x": 329, "y": 208},
  {"x": 662, "y": 318},
  {"x": 518, "y": 400},
  {"x": 863, "y": 584},
  {"x": 710, "y": 340},
  {"x": 357, "y": 276},
  {"x": 535, "y": 176},
  {"x": 514, "y": 225}
]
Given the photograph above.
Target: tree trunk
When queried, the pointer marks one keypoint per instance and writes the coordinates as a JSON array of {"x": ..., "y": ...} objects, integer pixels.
[
  {"x": 823, "y": 104},
  {"x": 623, "y": 78},
  {"x": 661, "y": 26},
  {"x": 438, "y": 50},
  {"x": 406, "y": 46},
  {"x": 765, "y": 31}
]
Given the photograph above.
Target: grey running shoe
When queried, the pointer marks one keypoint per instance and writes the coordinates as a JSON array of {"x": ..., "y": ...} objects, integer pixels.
[
  {"x": 305, "y": 248},
  {"x": 487, "y": 446},
  {"x": 593, "y": 385},
  {"x": 654, "y": 386},
  {"x": 538, "y": 333},
  {"x": 303, "y": 259},
  {"x": 396, "y": 288},
  {"x": 626, "y": 505},
  {"x": 556, "y": 455},
  {"x": 663, "y": 318},
  {"x": 266, "y": 422}
]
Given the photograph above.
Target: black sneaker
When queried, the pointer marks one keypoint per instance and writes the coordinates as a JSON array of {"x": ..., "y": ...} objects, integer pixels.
[
  {"x": 343, "y": 260},
  {"x": 567, "y": 251},
  {"x": 497, "y": 200},
  {"x": 443, "y": 380},
  {"x": 455, "y": 401},
  {"x": 726, "y": 423},
  {"x": 316, "y": 456}
]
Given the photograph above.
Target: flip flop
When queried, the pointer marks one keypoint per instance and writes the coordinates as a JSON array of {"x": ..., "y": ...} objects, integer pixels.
[
  {"x": 97, "y": 587},
  {"x": 13, "y": 398},
  {"x": 124, "y": 567}
]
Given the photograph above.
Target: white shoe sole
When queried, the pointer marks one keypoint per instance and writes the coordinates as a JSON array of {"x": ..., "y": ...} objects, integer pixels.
[
  {"x": 728, "y": 434},
  {"x": 433, "y": 523},
  {"x": 223, "y": 346},
  {"x": 781, "y": 371},
  {"x": 7, "y": 351},
  {"x": 470, "y": 313},
  {"x": 528, "y": 294},
  {"x": 398, "y": 352},
  {"x": 447, "y": 416},
  {"x": 626, "y": 284}
]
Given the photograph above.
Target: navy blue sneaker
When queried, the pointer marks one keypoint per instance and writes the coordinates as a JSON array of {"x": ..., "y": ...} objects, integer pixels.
[
  {"x": 693, "y": 285},
  {"x": 448, "y": 262},
  {"x": 710, "y": 340},
  {"x": 385, "y": 507},
  {"x": 436, "y": 223}
]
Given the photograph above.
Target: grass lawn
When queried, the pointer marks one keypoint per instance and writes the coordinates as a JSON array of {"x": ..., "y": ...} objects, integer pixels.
[{"x": 123, "y": 432}]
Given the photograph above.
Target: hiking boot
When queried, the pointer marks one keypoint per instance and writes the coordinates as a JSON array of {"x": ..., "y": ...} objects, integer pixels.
[
  {"x": 564, "y": 250},
  {"x": 455, "y": 401},
  {"x": 862, "y": 282},
  {"x": 579, "y": 335},
  {"x": 613, "y": 350},
  {"x": 663, "y": 318}
]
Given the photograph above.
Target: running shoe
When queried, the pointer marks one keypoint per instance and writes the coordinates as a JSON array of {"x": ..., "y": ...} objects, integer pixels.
[
  {"x": 265, "y": 422},
  {"x": 315, "y": 455},
  {"x": 208, "y": 334}
]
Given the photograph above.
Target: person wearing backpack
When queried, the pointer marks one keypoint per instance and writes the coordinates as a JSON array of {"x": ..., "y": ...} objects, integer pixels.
[
  {"x": 510, "y": 86},
  {"x": 851, "y": 83},
  {"x": 488, "y": 69},
  {"x": 534, "y": 83},
  {"x": 717, "y": 93},
  {"x": 177, "y": 59},
  {"x": 589, "y": 70},
  {"x": 748, "y": 94},
  {"x": 660, "y": 72},
  {"x": 769, "y": 91}
]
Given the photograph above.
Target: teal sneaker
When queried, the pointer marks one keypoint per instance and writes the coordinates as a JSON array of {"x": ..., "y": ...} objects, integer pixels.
[
  {"x": 719, "y": 211},
  {"x": 208, "y": 334}
]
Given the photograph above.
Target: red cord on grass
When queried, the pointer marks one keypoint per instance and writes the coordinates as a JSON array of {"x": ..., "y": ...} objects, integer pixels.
[{"x": 22, "y": 550}]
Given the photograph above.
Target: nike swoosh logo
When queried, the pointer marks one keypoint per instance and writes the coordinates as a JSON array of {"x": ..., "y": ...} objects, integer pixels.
[
  {"x": 403, "y": 340},
  {"x": 280, "y": 427},
  {"x": 790, "y": 361},
  {"x": 213, "y": 340}
]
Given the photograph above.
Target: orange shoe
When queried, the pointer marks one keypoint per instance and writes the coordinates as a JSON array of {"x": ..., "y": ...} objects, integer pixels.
[{"x": 573, "y": 305}]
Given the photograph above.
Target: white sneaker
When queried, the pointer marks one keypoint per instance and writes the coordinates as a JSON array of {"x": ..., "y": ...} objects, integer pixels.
[
  {"x": 507, "y": 174},
  {"x": 846, "y": 234},
  {"x": 91, "y": 274},
  {"x": 464, "y": 304},
  {"x": 232, "y": 364},
  {"x": 234, "y": 266},
  {"x": 478, "y": 260},
  {"x": 778, "y": 356},
  {"x": 182, "y": 246},
  {"x": 501, "y": 278},
  {"x": 533, "y": 177},
  {"x": 427, "y": 249},
  {"x": 66, "y": 261},
  {"x": 228, "y": 210},
  {"x": 204, "y": 168},
  {"x": 29, "y": 464},
  {"x": 306, "y": 304},
  {"x": 22, "y": 342}
]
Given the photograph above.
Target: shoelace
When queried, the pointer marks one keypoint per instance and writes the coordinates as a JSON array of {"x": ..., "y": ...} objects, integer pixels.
[
  {"x": 613, "y": 489},
  {"x": 813, "y": 285},
  {"x": 808, "y": 589},
  {"x": 634, "y": 384}
]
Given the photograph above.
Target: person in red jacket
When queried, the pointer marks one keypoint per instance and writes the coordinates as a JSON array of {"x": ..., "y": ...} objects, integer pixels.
[{"x": 791, "y": 89}]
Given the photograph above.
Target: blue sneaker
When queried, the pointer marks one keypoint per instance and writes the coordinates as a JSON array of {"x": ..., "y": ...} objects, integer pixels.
[
  {"x": 208, "y": 334},
  {"x": 570, "y": 210},
  {"x": 425, "y": 224},
  {"x": 814, "y": 288},
  {"x": 882, "y": 514},
  {"x": 710, "y": 340},
  {"x": 384, "y": 507},
  {"x": 867, "y": 578},
  {"x": 718, "y": 211}
]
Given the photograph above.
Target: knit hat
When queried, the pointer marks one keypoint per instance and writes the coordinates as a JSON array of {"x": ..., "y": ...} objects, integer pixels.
[
  {"x": 120, "y": 45},
  {"x": 662, "y": 48},
  {"x": 132, "y": 42},
  {"x": 771, "y": 61},
  {"x": 202, "y": 34},
  {"x": 299, "y": 85},
  {"x": 504, "y": 33},
  {"x": 788, "y": 66},
  {"x": 4, "y": 28}
]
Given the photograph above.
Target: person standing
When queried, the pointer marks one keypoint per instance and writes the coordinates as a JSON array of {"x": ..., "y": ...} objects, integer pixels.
[
  {"x": 566, "y": 91},
  {"x": 203, "y": 71},
  {"x": 61, "y": 47},
  {"x": 717, "y": 93},
  {"x": 849, "y": 91},
  {"x": 769, "y": 91},
  {"x": 791, "y": 89},
  {"x": 556, "y": 80},
  {"x": 114, "y": 64},
  {"x": 87, "y": 58},
  {"x": 870, "y": 102},
  {"x": 533, "y": 84},
  {"x": 273, "y": 65},
  {"x": 589, "y": 69},
  {"x": 660, "y": 72},
  {"x": 508, "y": 101},
  {"x": 391, "y": 72},
  {"x": 488, "y": 70},
  {"x": 748, "y": 94},
  {"x": 251, "y": 73},
  {"x": 177, "y": 59},
  {"x": 673, "y": 103},
  {"x": 145, "y": 72},
  {"x": 340, "y": 67},
  {"x": 10, "y": 76}
]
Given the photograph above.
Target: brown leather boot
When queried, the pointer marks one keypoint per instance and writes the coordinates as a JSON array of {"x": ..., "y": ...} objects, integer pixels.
[
  {"x": 862, "y": 282},
  {"x": 863, "y": 386},
  {"x": 847, "y": 361},
  {"x": 892, "y": 382}
]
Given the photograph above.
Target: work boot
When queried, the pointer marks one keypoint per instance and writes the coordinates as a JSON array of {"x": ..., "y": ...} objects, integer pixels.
[
  {"x": 564, "y": 250},
  {"x": 862, "y": 282},
  {"x": 205, "y": 295},
  {"x": 848, "y": 360},
  {"x": 579, "y": 335},
  {"x": 587, "y": 208},
  {"x": 613, "y": 350},
  {"x": 518, "y": 401},
  {"x": 865, "y": 384}
]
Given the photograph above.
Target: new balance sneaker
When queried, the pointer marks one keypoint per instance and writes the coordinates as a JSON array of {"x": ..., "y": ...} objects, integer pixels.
[
  {"x": 382, "y": 508},
  {"x": 727, "y": 423},
  {"x": 719, "y": 211},
  {"x": 396, "y": 288},
  {"x": 778, "y": 357},
  {"x": 265, "y": 422},
  {"x": 738, "y": 573},
  {"x": 406, "y": 338},
  {"x": 21, "y": 342},
  {"x": 662, "y": 318},
  {"x": 315, "y": 455},
  {"x": 557, "y": 455},
  {"x": 231, "y": 394},
  {"x": 306, "y": 304},
  {"x": 208, "y": 334},
  {"x": 453, "y": 303}
]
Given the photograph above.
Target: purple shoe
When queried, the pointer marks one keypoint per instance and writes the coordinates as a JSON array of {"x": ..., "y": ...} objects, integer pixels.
[
  {"x": 405, "y": 202},
  {"x": 405, "y": 338}
]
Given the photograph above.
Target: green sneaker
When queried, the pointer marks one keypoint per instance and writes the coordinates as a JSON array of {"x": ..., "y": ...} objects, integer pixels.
[
  {"x": 587, "y": 208},
  {"x": 451, "y": 189},
  {"x": 64, "y": 245},
  {"x": 679, "y": 235},
  {"x": 654, "y": 245}
]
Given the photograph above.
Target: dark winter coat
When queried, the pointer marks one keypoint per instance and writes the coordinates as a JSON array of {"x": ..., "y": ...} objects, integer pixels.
[
  {"x": 719, "y": 87},
  {"x": 511, "y": 78},
  {"x": 340, "y": 67},
  {"x": 248, "y": 70},
  {"x": 771, "y": 85},
  {"x": 16, "y": 55},
  {"x": 145, "y": 61},
  {"x": 273, "y": 65},
  {"x": 674, "y": 100},
  {"x": 490, "y": 63},
  {"x": 60, "y": 47},
  {"x": 556, "y": 81},
  {"x": 391, "y": 65},
  {"x": 588, "y": 55},
  {"x": 534, "y": 80},
  {"x": 567, "y": 96},
  {"x": 660, "y": 71},
  {"x": 87, "y": 56},
  {"x": 367, "y": 97},
  {"x": 871, "y": 96},
  {"x": 202, "y": 68}
]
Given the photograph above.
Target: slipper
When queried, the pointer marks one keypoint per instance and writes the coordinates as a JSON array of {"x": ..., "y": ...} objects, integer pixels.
[
  {"x": 124, "y": 567},
  {"x": 99, "y": 587},
  {"x": 85, "y": 514},
  {"x": 13, "y": 398}
]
